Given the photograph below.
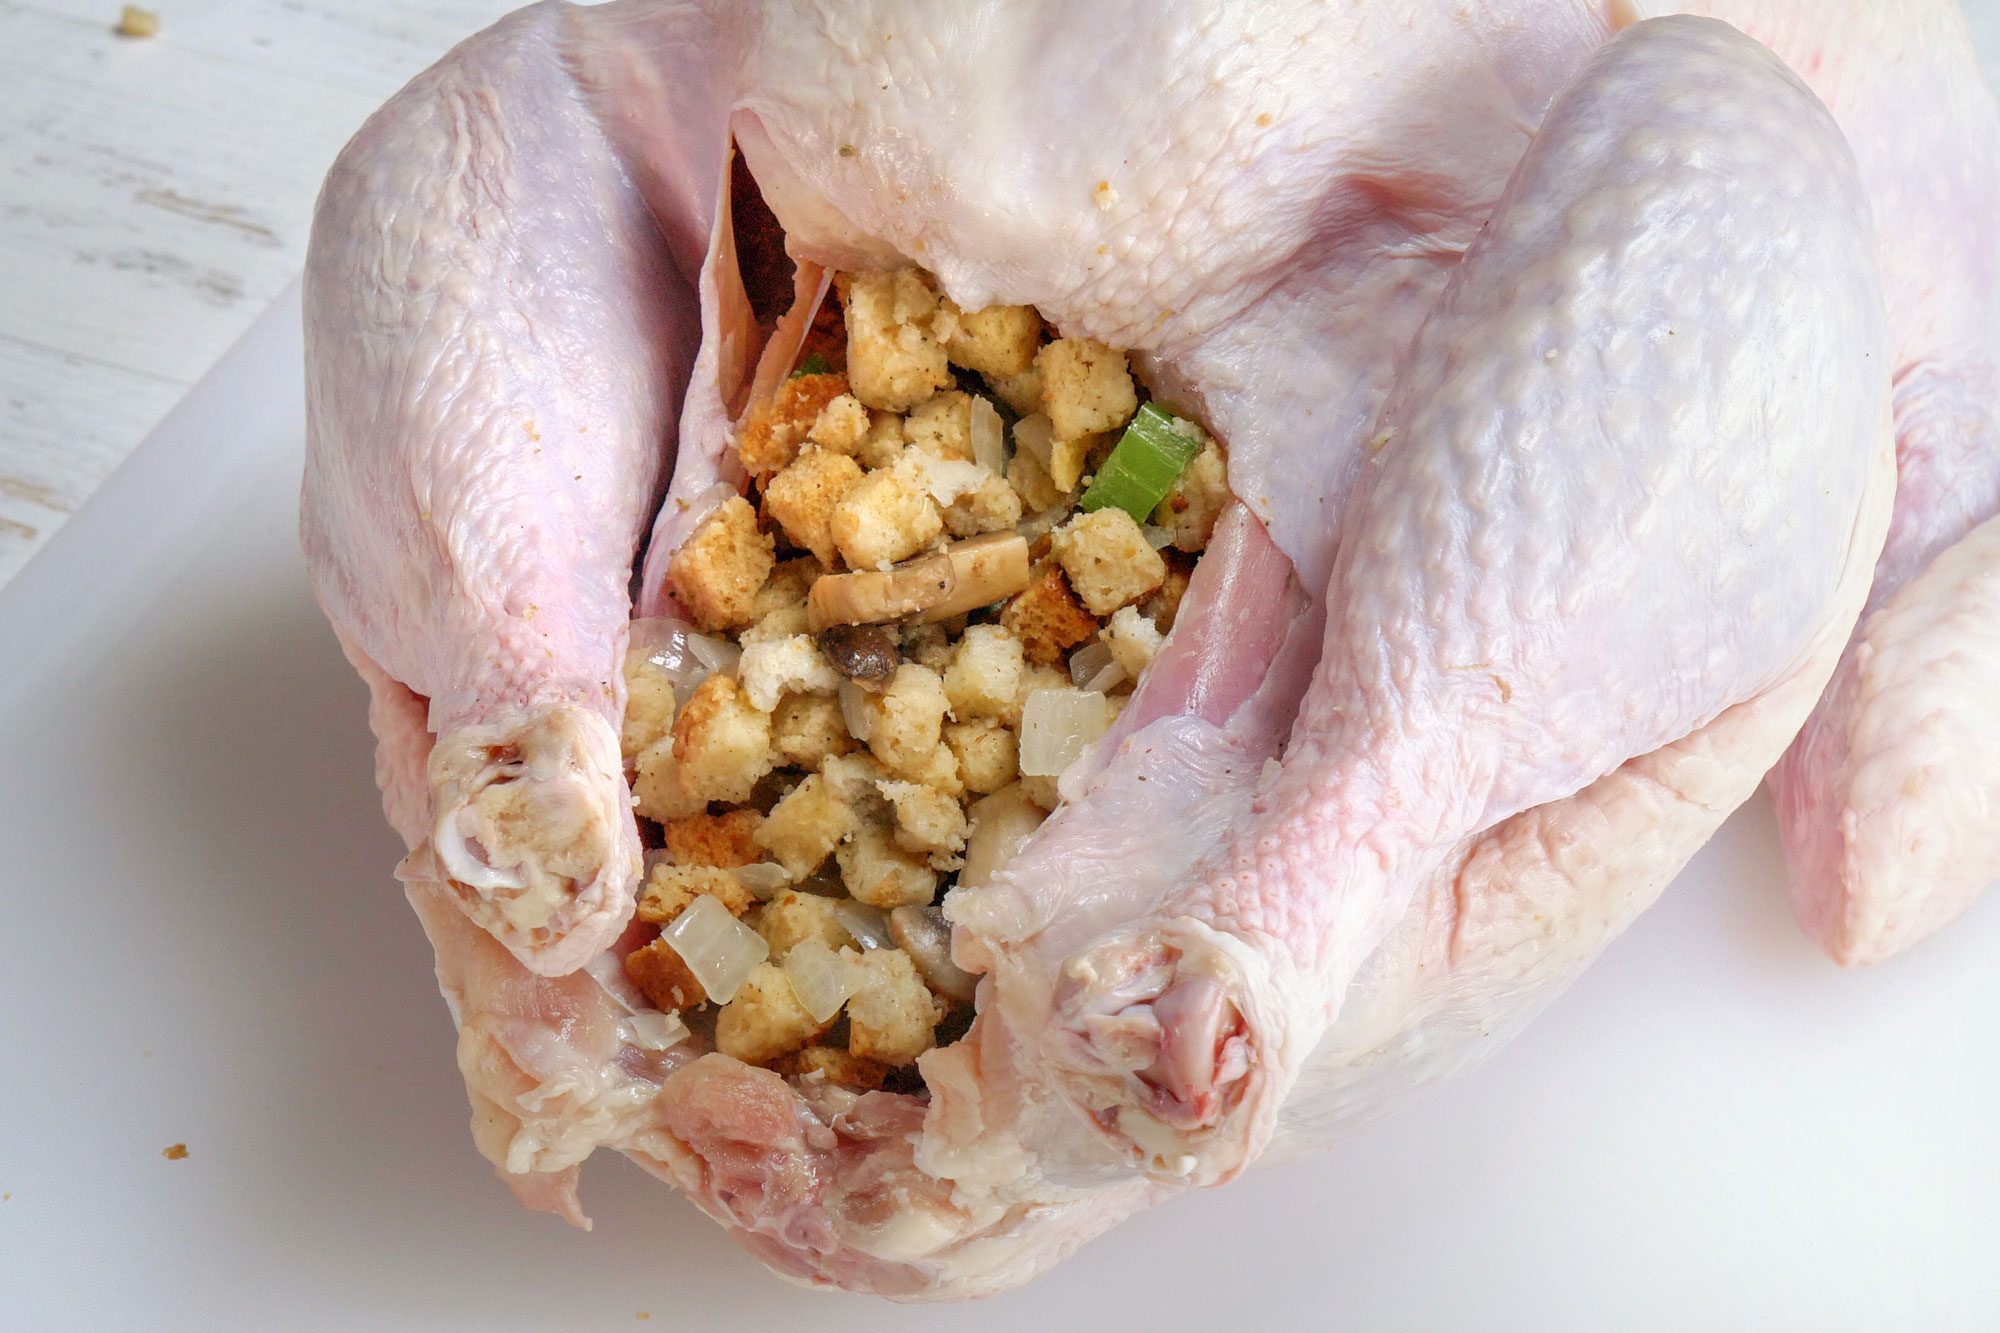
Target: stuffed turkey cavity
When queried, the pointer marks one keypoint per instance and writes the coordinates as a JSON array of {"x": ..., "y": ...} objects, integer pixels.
[
  {"x": 933, "y": 600},
  {"x": 1520, "y": 376}
]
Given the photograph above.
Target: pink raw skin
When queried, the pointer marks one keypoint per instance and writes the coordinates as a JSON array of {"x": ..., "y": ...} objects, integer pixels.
[
  {"x": 1453, "y": 694},
  {"x": 1514, "y": 735},
  {"x": 494, "y": 353},
  {"x": 1889, "y": 801}
]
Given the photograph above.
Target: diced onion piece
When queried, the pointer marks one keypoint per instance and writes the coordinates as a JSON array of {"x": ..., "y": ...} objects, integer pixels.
[
  {"x": 640, "y": 661},
  {"x": 921, "y": 933},
  {"x": 820, "y": 978},
  {"x": 663, "y": 641},
  {"x": 1001, "y": 824},
  {"x": 713, "y": 653},
  {"x": 1057, "y": 726},
  {"x": 855, "y": 713},
  {"x": 868, "y": 926},
  {"x": 718, "y": 949},
  {"x": 765, "y": 879},
  {"x": 1156, "y": 537},
  {"x": 1106, "y": 680},
  {"x": 652, "y": 1031},
  {"x": 1154, "y": 450},
  {"x": 989, "y": 448},
  {"x": 1087, "y": 661},
  {"x": 1037, "y": 436},
  {"x": 685, "y": 655}
]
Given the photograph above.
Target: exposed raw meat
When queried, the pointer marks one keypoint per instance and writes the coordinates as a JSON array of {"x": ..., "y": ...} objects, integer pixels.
[{"x": 1541, "y": 561}]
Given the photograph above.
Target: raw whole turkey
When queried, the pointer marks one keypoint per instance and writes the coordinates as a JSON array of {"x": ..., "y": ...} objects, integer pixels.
[{"x": 1609, "y": 402}]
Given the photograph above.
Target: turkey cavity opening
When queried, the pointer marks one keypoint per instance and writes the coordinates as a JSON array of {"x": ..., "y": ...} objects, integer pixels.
[{"x": 962, "y": 543}]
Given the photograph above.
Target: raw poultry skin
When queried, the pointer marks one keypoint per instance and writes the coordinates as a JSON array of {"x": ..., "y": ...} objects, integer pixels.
[
  {"x": 1530, "y": 674},
  {"x": 1889, "y": 801}
]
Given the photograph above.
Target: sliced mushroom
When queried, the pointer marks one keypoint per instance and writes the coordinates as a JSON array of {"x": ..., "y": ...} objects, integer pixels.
[
  {"x": 962, "y": 577},
  {"x": 860, "y": 652},
  {"x": 921, "y": 933}
]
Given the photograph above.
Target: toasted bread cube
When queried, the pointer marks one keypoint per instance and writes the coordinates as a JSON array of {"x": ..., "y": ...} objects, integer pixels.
[
  {"x": 765, "y": 1020},
  {"x": 793, "y": 916},
  {"x": 856, "y": 779},
  {"x": 649, "y": 706},
  {"x": 804, "y": 827},
  {"x": 1196, "y": 500},
  {"x": 802, "y": 497},
  {"x": 788, "y": 585},
  {"x": 718, "y": 570},
  {"x": 1022, "y": 393},
  {"x": 927, "y": 820},
  {"x": 939, "y": 771},
  {"x": 784, "y": 623},
  {"x": 999, "y": 340},
  {"x": 841, "y": 425},
  {"x": 660, "y": 790},
  {"x": 773, "y": 431},
  {"x": 985, "y": 673},
  {"x": 1047, "y": 617},
  {"x": 714, "y": 840},
  {"x": 670, "y": 888},
  {"x": 987, "y": 753},
  {"x": 895, "y": 359},
  {"x": 1108, "y": 559},
  {"x": 807, "y": 728},
  {"x": 878, "y": 872},
  {"x": 942, "y": 426},
  {"x": 1061, "y": 459},
  {"x": 1133, "y": 639},
  {"x": 1031, "y": 481},
  {"x": 892, "y": 1014},
  {"x": 1068, "y": 460},
  {"x": 722, "y": 742},
  {"x": 662, "y": 976},
  {"x": 883, "y": 443},
  {"x": 991, "y": 506},
  {"x": 944, "y": 480},
  {"x": 883, "y": 519},
  {"x": 771, "y": 668},
  {"x": 1086, "y": 387},
  {"x": 906, "y": 719},
  {"x": 833, "y": 1065}
]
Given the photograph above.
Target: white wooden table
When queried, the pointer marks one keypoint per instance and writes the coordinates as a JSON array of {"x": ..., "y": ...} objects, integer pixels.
[{"x": 154, "y": 195}]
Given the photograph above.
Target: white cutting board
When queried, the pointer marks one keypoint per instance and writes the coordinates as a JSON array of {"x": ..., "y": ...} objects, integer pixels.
[{"x": 203, "y": 945}]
